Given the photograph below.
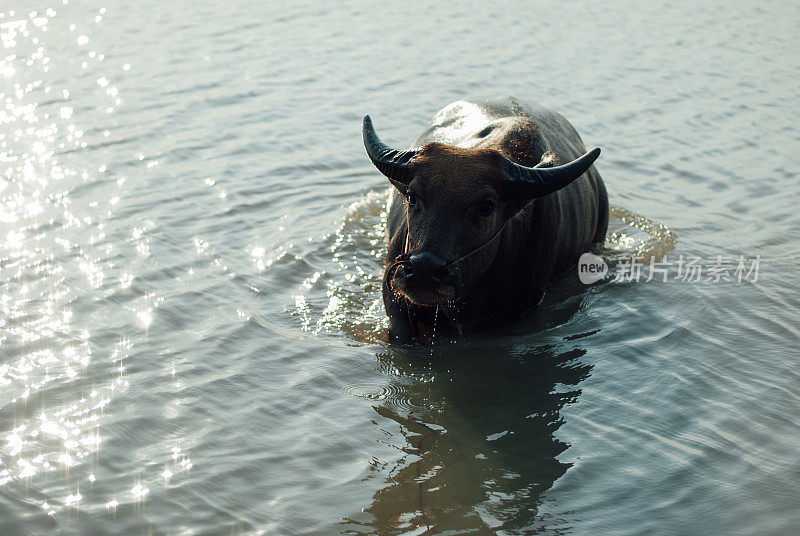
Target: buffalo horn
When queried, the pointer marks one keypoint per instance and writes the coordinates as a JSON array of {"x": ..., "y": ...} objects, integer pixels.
[
  {"x": 391, "y": 162},
  {"x": 540, "y": 181}
]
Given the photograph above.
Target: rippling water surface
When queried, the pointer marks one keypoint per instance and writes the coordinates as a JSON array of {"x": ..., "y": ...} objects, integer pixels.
[{"x": 191, "y": 329}]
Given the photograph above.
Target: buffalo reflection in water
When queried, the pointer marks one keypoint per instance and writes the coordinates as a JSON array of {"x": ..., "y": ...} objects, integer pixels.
[{"x": 478, "y": 423}]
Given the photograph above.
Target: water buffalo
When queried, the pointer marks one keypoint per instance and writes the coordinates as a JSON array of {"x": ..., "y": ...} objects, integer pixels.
[{"x": 494, "y": 200}]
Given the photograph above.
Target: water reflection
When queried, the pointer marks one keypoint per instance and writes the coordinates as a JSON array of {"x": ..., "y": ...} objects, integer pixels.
[
  {"x": 50, "y": 253},
  {"x": 64, "y": 348},
  {"x": 477, "y": 433}
]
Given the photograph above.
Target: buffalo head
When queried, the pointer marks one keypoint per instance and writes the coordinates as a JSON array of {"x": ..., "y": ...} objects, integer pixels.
[{"x": 458, "y": 201}]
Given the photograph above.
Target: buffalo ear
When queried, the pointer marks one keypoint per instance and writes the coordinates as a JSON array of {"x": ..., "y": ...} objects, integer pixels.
[
  {"x": 544, "y": 178},
  {"x": 391, "y": 162}
]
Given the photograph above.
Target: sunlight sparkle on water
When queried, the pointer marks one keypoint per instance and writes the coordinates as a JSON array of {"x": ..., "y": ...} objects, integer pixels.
[
  {"x": 139, "y": 491},
  {"x": 257, "y": 257},
  {"x": 126, "y": 280},
  {"x": 145, "y": 317},
  {"x": 50, "y": 258}
]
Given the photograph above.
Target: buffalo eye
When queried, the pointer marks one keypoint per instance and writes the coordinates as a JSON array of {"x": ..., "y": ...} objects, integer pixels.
[{"x": 486, "y": 207}]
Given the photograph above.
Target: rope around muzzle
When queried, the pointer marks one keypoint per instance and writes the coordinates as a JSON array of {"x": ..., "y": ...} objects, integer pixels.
[{"x": 468, "y": 264}]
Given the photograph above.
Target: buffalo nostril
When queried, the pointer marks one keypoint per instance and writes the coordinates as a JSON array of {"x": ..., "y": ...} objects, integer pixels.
[{"x": 426, "y": 268}]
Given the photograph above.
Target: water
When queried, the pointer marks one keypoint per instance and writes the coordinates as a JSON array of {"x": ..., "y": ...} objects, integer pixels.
[{"x": 191, "y": 336}]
